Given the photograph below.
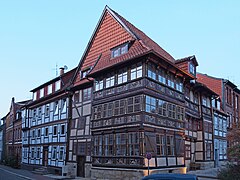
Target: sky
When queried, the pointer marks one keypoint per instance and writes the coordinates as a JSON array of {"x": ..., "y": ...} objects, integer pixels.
[{"x": 39, "y": 37}]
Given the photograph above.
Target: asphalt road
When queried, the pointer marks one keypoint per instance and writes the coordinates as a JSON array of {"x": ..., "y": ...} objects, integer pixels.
[{"x": 8, "y": 175}]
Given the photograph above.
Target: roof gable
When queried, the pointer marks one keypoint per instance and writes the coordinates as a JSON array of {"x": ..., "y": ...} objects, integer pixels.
[{"x": 113, "y": 30}]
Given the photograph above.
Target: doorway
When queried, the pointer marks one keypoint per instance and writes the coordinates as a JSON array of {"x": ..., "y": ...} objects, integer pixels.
[
  {"x": 45, "y": 156},
  {"x": 81, "y": 166}
]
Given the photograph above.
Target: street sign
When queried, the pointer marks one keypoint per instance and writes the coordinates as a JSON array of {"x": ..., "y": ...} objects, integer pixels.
[{"x": 149, "y": 156}]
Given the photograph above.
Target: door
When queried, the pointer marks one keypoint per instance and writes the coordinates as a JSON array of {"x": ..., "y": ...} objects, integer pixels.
[
  {"x": 81, "y": 166},
  {"x": 45, "y": 156}
]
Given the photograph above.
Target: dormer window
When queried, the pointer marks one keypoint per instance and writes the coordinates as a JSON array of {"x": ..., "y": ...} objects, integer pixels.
[
  {"x": 191, "y": 69},
  {"x": 57, "y": 85},
  {"x": 35, "y": 96},
  {"x": 119, "y": 50},
  {"x": 84, "y": 73},
  {"x": 41, "y": 92}
]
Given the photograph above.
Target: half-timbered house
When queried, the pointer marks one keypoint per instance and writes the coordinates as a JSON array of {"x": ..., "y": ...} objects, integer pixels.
[
  {"x": 138, "y": 104},
  {"x": 44, "y": 125},
  {"x": 226, "y": 113}
]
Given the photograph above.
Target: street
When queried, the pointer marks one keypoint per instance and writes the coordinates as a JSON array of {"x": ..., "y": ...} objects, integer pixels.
[{"x": 8, "y": 173}]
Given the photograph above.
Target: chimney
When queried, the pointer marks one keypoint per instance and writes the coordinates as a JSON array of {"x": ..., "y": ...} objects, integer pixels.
[{"x": 61, "y": 70}]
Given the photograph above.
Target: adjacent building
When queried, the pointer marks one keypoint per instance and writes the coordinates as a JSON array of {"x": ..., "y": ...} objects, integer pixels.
[
  {"x": 226, "y": 112},
  {"x": 14, "y": 133},
  {"x": 3, "y": 139},
  {"x": 45, "y": 125}
]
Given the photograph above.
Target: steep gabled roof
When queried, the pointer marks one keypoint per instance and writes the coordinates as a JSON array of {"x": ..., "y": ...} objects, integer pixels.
[
  {"x": 115, "y": 30},
  {"x": 148, "y": 42}
]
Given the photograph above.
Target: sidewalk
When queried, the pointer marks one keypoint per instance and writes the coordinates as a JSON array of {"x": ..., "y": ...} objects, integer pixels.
[
  {"x": 206, "y": 173},
  {"x": 52, "y": 176}
]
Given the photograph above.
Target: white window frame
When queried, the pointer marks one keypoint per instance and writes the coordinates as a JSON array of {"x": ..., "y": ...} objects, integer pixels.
[
  {"x": 61, "y": 153},
  {"x": 136, "y": 71},
  {"x": 57, "y": 85},
  {"x": 49, "y": 89},
  {"x": 41, "y": 92},
  {"x": 110, "y": 81},
  {"x": 35, "y": 96},
  {"x": 64, "y": 106}
]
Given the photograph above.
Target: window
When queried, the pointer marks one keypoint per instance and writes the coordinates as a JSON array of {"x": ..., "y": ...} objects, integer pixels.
[
  {"x": 57, "y": 85},
  {"x": 188, "y": 151},
  {"x": 34, "y": 114},
  {"x": 122, "y": 49},
  {"x": 47, "y": 110},
  {"x": 41, "y": 92},
  {"x": 204, "y": 101},
  {"x": 54, "y": 152},
  {"x": 62, "y": 129},
  {"x": 33, "y": 134},
  {"x": 49, "y": 89},
  {"x": 151, "y": 71},
  {"x": 34, "y": 96},
  {"x": 76, "y": 97},
  {"x": 84, "y": 73},
  {"x": 40, "y": 112},
  {"x": 208, "y": 150},
  {"x": 133, "y": 144},
  {"x": 171, "y": 111},
  {"x": 130, "y": 105},
  {"x": 161, "y": 76},
  {"x": 110, "y": 110},
  {"x": 87, "y": 94},
  {"x": 136, "y": 72},
  {"x": 46, "y": 131},
  {"x": 54, "y": 130},
  {"x": 150, "y": 104},
  {"x": 98, "y": 145},
  {"x": 121, "y": 144},
  {"x": 191, "y": 68},
  {"x": 33, "y": 153},
  {"x": 122, "y": 76},
  {"x": 39, "y": 133},
  {"x": 180, "y": 113},
  {"x": 38, "y": 153},
  {"x": 170, "y": 81},
  {"x": 179, "y": 85},
  {"x": 110, "y": 81},
  {"x": 64, "y": 106},
  {"x": 160, "y": 141},
  {"x": 108, "y": 145},
  {"x": 162, "y": 107},
  {"x": 61, "y": 153},
  {"x": 56, "y": 108},
  {"x": 99, "y": 85},
  {"x": 170, "y": 146}
]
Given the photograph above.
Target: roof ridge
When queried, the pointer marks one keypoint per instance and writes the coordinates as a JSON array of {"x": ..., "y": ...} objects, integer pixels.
[{"x": 148, "y": 42}]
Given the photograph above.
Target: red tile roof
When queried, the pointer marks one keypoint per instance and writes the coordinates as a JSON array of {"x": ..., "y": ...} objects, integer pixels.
[{"x": 215, "y": 84}]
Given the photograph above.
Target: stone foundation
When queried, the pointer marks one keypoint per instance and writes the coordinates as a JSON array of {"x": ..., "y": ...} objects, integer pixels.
[{"x": 129, "y": 174}]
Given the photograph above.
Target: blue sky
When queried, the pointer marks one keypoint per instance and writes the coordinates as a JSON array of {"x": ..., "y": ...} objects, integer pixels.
[{"x": 37, "y": 35}]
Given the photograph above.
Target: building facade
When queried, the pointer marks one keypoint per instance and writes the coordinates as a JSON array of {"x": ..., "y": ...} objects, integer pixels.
[
  {"x": 138, "y": 95},
  {"x": 45, "y": 125},
  {"x": 3, "y": 139},
  {"x": 226, "y": 112},
  {"x": 14, "y": 133},
  {"x": 128, "y": 106}
]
